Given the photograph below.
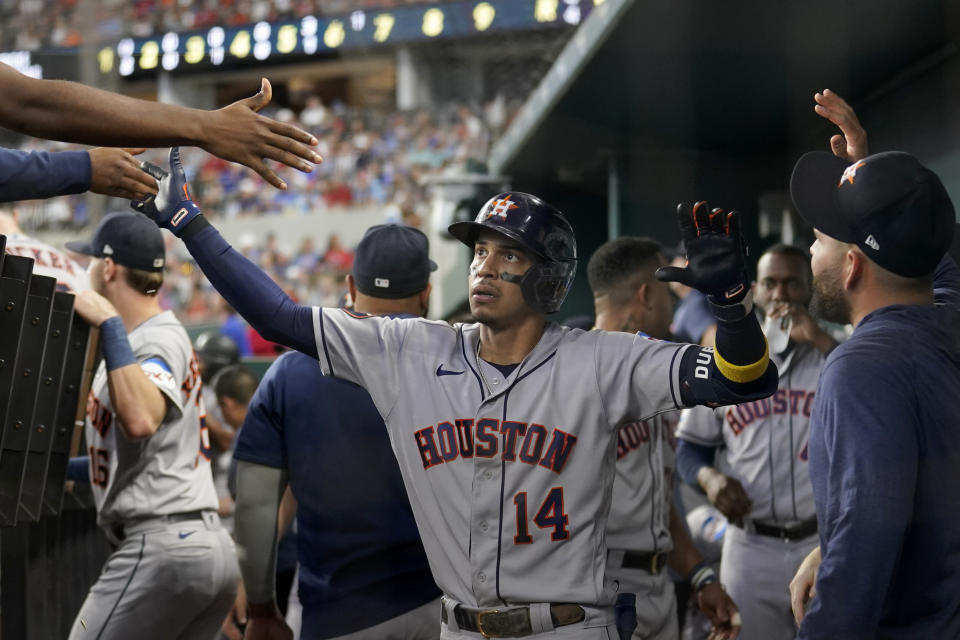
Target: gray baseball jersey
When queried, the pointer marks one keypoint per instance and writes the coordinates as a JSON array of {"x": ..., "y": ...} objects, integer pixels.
[
  {"x": 763, "y": 444},
  {"x": 509, "y": 478},
  {"x": 170, "y": 471}
]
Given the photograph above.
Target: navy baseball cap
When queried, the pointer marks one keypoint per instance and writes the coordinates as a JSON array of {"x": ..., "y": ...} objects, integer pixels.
[
  {"x": 392, "y": 261},
  {"x": 130, "y": 239},
  {"x": 888, "y": 204}
]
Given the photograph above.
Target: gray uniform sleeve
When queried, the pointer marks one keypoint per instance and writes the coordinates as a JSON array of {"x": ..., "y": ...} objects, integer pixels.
[
  {"x": 365, "y": 350},
  {"x": 166, "y": 367},
  {"x": 637, "y": 377},
  {"x": 701, "y": 425}
]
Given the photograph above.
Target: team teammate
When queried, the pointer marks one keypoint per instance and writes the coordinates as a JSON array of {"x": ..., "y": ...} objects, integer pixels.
[
  {"x": 72, "y": 112},
  {"x": 644, "y": 534},
  {"x": 504, "y": 429},
  {"x": 760, "y": 480},
  {"x": 174, "y": 571},
  {"x": 47, "y": 260},
  {"x": 883, "y": 444},
  {"x": 363, "y": 571}
]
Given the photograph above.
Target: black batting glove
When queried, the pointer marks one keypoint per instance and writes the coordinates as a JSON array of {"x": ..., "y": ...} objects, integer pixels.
[{"x": 716, "y": 254}]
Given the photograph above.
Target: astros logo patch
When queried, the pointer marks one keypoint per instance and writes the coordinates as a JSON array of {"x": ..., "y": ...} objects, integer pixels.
[
  {"x": 500, "y": 207},
  {"x": 850, "y": 173}
]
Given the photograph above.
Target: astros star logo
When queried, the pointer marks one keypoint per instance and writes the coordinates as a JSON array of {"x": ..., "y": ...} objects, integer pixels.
[
  {"x": 850, "y": 173},
  {"x": 499, "y": 208}
]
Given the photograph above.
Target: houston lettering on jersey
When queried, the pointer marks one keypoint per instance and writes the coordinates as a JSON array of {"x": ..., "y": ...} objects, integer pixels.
[
  {"x": 784, "y": 401},
  {"x": 634, "y": 435},
  {"x": 529, "y": 443}
]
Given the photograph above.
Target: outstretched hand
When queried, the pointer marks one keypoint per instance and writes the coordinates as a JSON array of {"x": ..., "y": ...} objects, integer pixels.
[
  {"x": 852, "y": 145},
  {"x": 115, "y": 172},
  {"x": 715, "y": 253},
  {"x": 238, "y": 133},
  {"x": 172, "y": 208}
]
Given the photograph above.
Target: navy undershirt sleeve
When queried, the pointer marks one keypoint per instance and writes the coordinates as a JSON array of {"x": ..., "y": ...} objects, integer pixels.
[
  {"x": 40, "y": 174},
  {"x": 253, "y": 293},
  {"x": 692, "y": 457}
]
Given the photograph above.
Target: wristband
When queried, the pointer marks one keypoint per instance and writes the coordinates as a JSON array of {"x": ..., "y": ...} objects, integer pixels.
[
  {"x": 701, "y": 575},
  {"x": 114, "y": 344}
]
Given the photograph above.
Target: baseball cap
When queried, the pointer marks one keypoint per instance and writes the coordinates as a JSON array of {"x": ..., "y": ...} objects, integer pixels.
[
  {"x": 130, "y": 239},
  {"x": 392, "y": 261},
  {"x": 888, "y": 204}
]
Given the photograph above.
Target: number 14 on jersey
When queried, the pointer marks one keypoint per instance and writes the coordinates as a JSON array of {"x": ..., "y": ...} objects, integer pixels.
[{"x": 550, "y": 515}]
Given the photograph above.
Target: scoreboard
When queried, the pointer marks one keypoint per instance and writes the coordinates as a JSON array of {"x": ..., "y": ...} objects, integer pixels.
[{"x": 294, "y": 39}]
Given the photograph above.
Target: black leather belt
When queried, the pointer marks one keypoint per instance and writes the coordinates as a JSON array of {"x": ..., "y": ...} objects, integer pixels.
[
  {"x": 510, "y": 623},
  {"x": 796, "y": 532},
  {"x": 652, "y": 563},
  {"x": 118, "y": 528}
]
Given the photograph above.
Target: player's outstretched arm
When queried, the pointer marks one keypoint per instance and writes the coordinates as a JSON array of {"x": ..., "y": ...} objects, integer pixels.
[
  {"x": 739, "y": 367},
  {"x": 244, "y": 285},
  {"x": 72, "y": 112}
]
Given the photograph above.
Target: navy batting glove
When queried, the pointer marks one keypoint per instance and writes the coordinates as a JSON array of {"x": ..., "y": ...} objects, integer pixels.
[
  {"x": 172, "y": 208},
  {"x": 716, "y": 263}
]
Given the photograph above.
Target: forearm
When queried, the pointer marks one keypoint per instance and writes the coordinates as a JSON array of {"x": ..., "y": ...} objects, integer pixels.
[
  {"x": 138, "y": 404},
  {"x": 250, "y": 291},
  {"x": 691, "y": 458},
  {"x": 684, "y": 556},
  {"x": 72, "y": 112},
  {"x": 255, "y": 525},
  {"x": 39, "y": 174}
]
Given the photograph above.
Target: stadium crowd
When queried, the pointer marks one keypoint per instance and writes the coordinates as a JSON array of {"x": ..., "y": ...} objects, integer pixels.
[{"x": 36, "y": 24}]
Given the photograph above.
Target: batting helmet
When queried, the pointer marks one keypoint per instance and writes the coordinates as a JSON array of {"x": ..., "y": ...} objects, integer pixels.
[
  {"x": 216, "y": 351},
  {"x": 542, "y": 230}
]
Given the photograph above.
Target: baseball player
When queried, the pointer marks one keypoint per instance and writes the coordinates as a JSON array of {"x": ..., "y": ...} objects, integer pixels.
[
  {"x": 363, "y": 570},
  {"x": 504, "y": 429},
  {"x": 47, "y": 260},
  {"x": 644, "y": 534},
  {"x": 760, "y": 480},
  {"x": 174, "y": 571}
]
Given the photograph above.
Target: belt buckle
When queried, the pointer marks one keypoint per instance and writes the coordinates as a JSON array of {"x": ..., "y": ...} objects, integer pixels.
[
  {"x": 480, "y": 616},
  {"x": 655, "y": 565}
]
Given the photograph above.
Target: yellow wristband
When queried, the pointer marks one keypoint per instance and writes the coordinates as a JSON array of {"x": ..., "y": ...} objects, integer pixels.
[{"x": 746, "y": 372}]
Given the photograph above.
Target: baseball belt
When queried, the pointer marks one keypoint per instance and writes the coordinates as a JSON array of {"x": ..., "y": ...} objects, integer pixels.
[
  {"x": 799, "y": 531},
  {"x": 121, "y": 529},
  {"x": 510, "y": 623},
  {"x": 652, "y": 563}
]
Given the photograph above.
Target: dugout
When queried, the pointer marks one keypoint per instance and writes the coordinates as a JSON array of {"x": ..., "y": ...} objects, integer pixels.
[{"x": 653, "y": 103}]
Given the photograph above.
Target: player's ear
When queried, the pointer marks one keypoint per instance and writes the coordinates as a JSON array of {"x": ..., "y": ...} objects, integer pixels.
[
  {"x": 425, "y": 298},
  {"x": 854, "y": 264},
  {"x": 351, "y": 289},
  {"x": 109, "y": 270}
]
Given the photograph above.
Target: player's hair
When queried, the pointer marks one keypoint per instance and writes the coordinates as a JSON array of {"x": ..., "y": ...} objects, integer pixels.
[
  {"x": 235, "y": 382},
  {"x": 146, "y": 282},
  {"x": 791, "y": 251},
  {"x": 620, "y": 265}
]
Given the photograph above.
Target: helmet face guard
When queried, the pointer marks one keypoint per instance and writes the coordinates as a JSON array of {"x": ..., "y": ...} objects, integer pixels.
[
  {"x": 540, "y": 229},
  {"x": 545, "y": 285}
]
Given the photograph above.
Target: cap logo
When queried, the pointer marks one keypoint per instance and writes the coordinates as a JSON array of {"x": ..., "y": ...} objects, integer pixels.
[
  {"x": 850, "y": 173},
  {"x": 107, "y": 250},
  {"x": 383, "y": 283},
  {"x": 872, "y": 242},
  {"x": 157, "y": 263},
  {"x": 499, "y": 208}
]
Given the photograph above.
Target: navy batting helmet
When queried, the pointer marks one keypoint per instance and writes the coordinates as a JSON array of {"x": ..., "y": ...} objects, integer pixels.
[
  {"x": 216, "y": 351},
  {"x": 543, "y": 231}
]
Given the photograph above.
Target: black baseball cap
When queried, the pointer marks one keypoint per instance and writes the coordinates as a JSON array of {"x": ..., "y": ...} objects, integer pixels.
[
  {"x": 392, "y": 261},
  {"x": 888, "y": 204},
  {"x": 130, "y": 239}
]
